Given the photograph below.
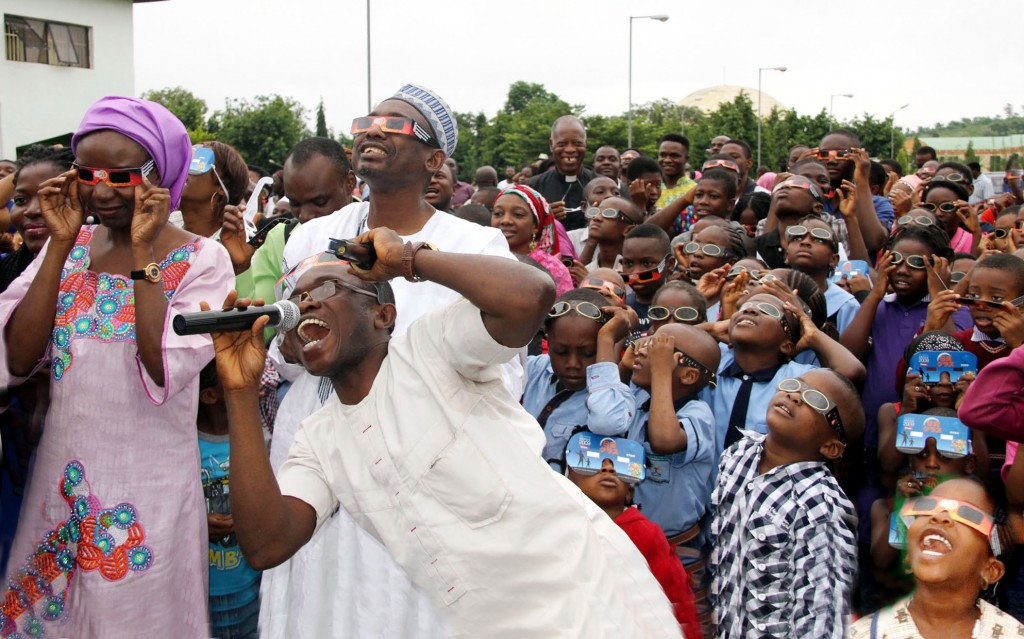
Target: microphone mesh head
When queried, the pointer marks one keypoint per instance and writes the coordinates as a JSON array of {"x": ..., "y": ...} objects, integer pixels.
[{"x": 289, "y": 316}]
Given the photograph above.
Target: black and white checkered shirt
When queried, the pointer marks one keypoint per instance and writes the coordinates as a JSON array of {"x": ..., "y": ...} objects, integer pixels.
[{"x": 784, "y": 556}]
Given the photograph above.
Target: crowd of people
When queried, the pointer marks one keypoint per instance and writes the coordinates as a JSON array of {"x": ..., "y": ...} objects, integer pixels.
[{"x": 602, "y": 393}]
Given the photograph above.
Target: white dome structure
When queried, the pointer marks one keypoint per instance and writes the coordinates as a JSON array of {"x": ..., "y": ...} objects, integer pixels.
[{"x": 708, "y": 100}]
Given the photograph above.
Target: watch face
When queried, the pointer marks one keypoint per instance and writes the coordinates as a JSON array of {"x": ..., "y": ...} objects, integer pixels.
[{"x": 153, "y": 272}]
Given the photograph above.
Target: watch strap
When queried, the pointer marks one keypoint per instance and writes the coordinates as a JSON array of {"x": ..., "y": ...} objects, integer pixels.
[
  {"x": 408, "y": 257},
  {"x": 151, "y": 272}
]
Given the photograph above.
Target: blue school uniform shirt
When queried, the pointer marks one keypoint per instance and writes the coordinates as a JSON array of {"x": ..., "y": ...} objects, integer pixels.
[
  {"x": 730, "y": 378},
  {"x": 230, "y": 573},
  {"x": 841, "y": 306},
  {"x": 677, "y": 487},
  {"x": 606, "y": 406},
  {"x": 884, "y": 210}
]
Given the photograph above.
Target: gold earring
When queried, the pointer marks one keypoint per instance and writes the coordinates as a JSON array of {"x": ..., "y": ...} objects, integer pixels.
[{"x": 533, "y": 245}]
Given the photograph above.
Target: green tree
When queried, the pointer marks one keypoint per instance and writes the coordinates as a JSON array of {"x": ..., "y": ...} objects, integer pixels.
[
  {"x": 190, "y": 109},
  {"x": 321, "y": 121},
  {"x": 520, "y": 131},
  {"x": 970, "y": 155},
  {"x": 263, "y": 130},
  {"x": 875, "y": 134}
]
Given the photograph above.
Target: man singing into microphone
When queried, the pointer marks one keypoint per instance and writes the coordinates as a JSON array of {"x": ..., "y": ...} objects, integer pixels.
[{"x": 426, "y": 449}]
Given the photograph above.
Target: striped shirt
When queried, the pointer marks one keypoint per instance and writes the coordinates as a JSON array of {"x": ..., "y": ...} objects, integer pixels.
[{"x": 784, "y": 556}]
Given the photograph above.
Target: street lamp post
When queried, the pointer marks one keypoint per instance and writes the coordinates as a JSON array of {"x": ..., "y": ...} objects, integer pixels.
[
  {"x": 892, "y": 130},
  {"x": 831, "y": 102},
  {"x": 659, "y": 18},
  {"x": 781, "y": 69}
]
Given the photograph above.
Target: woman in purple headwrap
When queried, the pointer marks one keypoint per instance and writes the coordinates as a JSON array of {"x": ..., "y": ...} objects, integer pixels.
[
  {"x": 524, "y": 218},
  {"x": 111, "y": 539}
]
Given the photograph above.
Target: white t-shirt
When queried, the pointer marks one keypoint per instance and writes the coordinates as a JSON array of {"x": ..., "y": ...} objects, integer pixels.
[{"x": 443, "y": 466}]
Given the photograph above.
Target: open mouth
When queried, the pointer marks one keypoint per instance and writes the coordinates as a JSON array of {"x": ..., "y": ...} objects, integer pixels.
[
  {"x": 372, "y": 150},
  {"x": 746, "y": 322},
  {"x": 311, "y": 331},
  {"x": 781, "y": 406},
  {"x": 935, "y": 545}
]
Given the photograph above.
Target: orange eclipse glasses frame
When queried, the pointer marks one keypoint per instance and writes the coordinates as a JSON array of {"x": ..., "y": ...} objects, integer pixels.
[
  {"x": 117, "y": 178},
  {"x": 391, "y": 124}
]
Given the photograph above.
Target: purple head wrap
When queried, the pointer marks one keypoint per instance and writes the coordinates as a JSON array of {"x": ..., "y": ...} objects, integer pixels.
[{"x": 153, "y": 127}]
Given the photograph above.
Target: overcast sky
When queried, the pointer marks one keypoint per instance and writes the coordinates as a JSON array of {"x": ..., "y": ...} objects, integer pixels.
[{"x": 948, "y": 58}]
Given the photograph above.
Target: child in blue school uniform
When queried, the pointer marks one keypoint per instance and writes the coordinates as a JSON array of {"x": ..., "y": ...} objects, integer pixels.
[
  {"x": 576, "y": 386},
  {"x": 677, "y": 431},
  {"x": 812, "y": 249},
  {"x": 765, "y": 333}
]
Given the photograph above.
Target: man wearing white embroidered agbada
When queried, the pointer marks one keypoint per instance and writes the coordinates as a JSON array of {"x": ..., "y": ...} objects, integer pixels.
[{"x": 428, "y": 451}]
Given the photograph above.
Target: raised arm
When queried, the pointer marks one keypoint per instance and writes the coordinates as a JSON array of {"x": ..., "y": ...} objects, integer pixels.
[
  {"x": 31, "y": 324},
  {"x": 870, "y": 226},
  {"x": 667, "y": 216},
  {"x": 270, "y": 526},
  {"x": 664, "y": 431},
  {"x": 513, "y": 297},
  {"x": 855, "y": 337},
  {"x": 830, "y": 353}
]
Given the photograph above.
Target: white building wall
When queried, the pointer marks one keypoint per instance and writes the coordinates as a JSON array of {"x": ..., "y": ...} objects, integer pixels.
[{"x": 41, "y": 101}]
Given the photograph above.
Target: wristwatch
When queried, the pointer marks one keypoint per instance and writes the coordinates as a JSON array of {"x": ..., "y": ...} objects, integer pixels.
[
  {"x": 409, "y": 254},
  {"x": 150, "y": 272}
]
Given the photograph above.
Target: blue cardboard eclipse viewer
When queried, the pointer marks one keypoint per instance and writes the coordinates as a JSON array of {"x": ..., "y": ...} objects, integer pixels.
[
  {"x": 586, "y": 452},
  {"x": 930, "y": 365},
  {"x": 849, "y": 268},
  {"x": 952, "y": 438}
]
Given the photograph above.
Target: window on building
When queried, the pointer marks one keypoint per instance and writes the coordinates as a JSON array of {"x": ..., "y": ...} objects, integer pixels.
[{"x": 47, "y": 42}]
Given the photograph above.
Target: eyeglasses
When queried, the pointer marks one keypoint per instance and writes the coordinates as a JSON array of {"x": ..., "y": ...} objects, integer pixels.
[
  {"x": 834, "y": 154},
  {"x": 403, "y": 126},
  {"x": 959, "y": 511},
  {"x": 608, "y": 214},
  {"x": 684, "y": 314},
  {"x": 822, "y": 235},
  {"x": 774, "y": 312},
  {"x": 117, "y": 178},
  {"x": 701, "y": 368},
  {"x": 754, "y": 273},
  {"x": 818, "y": 402},
  {"x": 203, "y": 161},
  {"x": 920, "y": 220},
  {"x": 726, "y": 164},
  {"x": 945, "y": 207},
  {"x": 952, "y": 177},
  {"x": 799, "y": 183},
  {"x": 956, "y": 277},
  {"x": 328, "y": 289},
  {"x": 1002, "y": 233},
  {"x": 711, "y": 250},
  {"x": 913, "y": 261},
  {"x": 598, "y": 284},
  {"x": 966, "y": 300},
  {"x": 586, "y": 309},
  {"x": 645, "y": 277}
]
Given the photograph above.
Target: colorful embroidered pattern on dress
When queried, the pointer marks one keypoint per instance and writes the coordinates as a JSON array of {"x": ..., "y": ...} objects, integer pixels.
[
  {"x": 91, "y": 538},
  {"x": 102, "y": 306}
]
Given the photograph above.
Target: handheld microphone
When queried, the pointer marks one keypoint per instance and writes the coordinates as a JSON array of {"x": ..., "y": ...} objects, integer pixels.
[{"x": 284, "y": 315}]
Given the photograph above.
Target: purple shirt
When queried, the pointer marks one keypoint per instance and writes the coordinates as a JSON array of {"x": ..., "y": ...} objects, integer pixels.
[
  {"x": 893, "y": 328},
  {"x": 462, "y": 192}
]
